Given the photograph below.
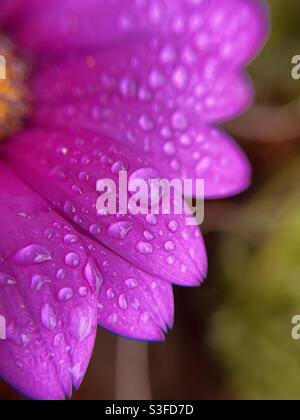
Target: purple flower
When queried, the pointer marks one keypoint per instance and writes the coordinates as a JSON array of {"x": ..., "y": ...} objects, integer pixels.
[{"x": 114, "y": 83}]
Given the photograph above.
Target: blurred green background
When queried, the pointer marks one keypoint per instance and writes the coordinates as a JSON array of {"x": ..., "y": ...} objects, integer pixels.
[{"x": 232, "y": 338}]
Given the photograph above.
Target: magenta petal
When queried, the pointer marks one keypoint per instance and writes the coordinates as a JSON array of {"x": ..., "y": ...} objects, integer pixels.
[
  {"x": 235, "y": 28},
  {"x": 65, "y": 166},
  {"x": 160, "y": 103},
  {"x": 50, "y": 312},
  {"x": 131, "y": 303}
]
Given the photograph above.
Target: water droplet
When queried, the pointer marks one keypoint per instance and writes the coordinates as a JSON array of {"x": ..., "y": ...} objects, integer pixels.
[
  {"x": 65, "y": 294},
  {"x": 110, "y": 294},
  {"x": 119, "y": 167},
  {"x": 113, "y": 319},
  {"x": 146, "y": 123},
  {"x": 131, "y": 283},
  {"x": 83, "y": 292},
  {"x": 170, "y": 148},
  {"x": 61, "y": 274},
  {"x": 120, "y": 230},
  {"x": 145, "y": 174},
  {"x": 95, "y": 230},
  {"x": 179, "y": 121},
  {"x": 169, "y": 246},
  {"x": 38, "y": 281},
  {"x": 145, "y": 247},
  {"x": 171, "y": 260},
  {"x": 145, "y": 317},
  {"x": 70, "y": 239},
  {"x": 123, "y": 304},
  {"x": 173, "y": 226},
  {"x": 128, "y": 87},
  {"x": 33, "y": 254},
  {"x": 151, "y": 219},
  {"x": 148, "y": 236},
  {"x": 93, "y": 275},
  {"x": 7, "y": 280}
]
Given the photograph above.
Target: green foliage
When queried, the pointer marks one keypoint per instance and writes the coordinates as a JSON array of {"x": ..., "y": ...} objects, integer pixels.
[{"x": 251, "y": 330}]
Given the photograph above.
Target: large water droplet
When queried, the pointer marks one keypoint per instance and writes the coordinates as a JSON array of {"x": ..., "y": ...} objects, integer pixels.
[
  {"x": 72, "y": 260},
  {"x": 33, "y": 254},
  {"x": 65, "y": 294},
  {"x": 48, "y": 317},
  {"x": 70, "y": 239},
  {"x": 7, "y": 280},
  {"x": 38, "y": 281},
  {"x": 123, "y": 303},
  {"x": 119, "y": 166},
  {"x": 131, "y": 283},
  {"x": 93, "y": 275},
  {"x": 145, "y": 247}
]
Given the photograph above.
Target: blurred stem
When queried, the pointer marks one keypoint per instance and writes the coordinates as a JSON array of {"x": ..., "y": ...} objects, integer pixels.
[
  {"x": 132, "y": 371},
  {"x": 268, "y": 124}
]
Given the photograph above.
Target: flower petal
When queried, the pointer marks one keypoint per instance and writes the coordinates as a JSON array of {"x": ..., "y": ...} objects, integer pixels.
[
  {"x": 65, "y": 167},
  {"x": 50, "y": 326}
]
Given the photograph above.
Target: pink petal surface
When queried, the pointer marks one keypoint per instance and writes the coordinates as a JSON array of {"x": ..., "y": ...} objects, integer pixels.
[
  {"x": 131, "y": 303},
  {"x": 50, "y": 311},
  {"x": 65, "y": 166}
]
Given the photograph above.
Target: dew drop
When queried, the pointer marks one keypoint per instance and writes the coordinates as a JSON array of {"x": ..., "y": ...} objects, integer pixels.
[
  {"x": 72, "y": 260},
  {"x": 131, "y": 283},
  {"x": 119, "y": 166},
  {"x": 7, "y": 280},
  {"x": 173, "y": 226},
  {"x": 70, "y": 239},
  {"x": 61, "y": 274},
  {"x": 83, "y": 292},
  {"x": 93, "y": 275},
  {"x": 169, "y": 246},
  {"x": 48, "y": 317},
  {"x": 145, "y": 248},
  {"x": 38, "y": 281},
  {"x": 33, "y": 254},
  {"x": 123, "y": 303},
  {"x": 95, "y": 230},
  {"x": 110, "y": 294},
  {"x": 120, "y": 230},
  {"x": 151, "y": 219},
  {"x": 179, "y": 121},
  {"x": 113, "y": 319},
  {"x": 65, "y": 294}
]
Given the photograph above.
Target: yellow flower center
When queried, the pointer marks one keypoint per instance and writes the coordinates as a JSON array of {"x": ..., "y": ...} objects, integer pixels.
[{"x": 13, "y": 93}]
